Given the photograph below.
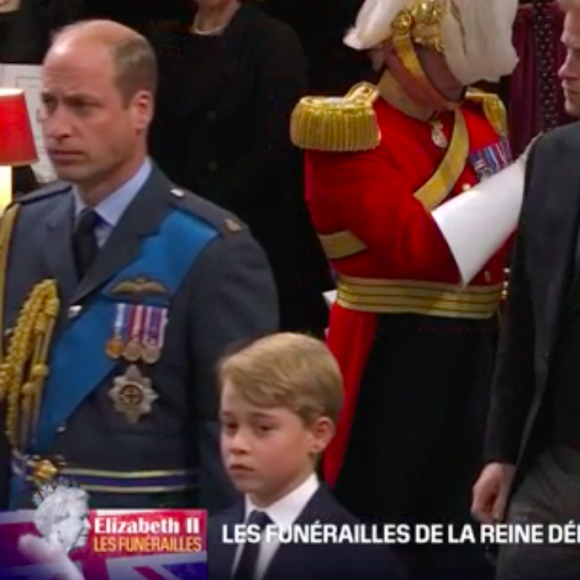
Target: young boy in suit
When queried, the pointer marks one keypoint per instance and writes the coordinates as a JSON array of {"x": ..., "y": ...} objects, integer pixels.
[{"x": 280, "y": 400}]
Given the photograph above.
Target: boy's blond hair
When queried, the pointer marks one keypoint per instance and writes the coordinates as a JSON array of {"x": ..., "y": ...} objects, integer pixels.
[{"x": 288, "y": 370}]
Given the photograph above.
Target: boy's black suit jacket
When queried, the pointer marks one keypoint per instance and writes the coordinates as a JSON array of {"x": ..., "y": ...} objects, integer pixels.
[{"x": 314, "y": 561}]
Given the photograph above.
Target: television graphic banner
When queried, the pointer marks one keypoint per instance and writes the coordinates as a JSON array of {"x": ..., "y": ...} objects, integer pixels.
[{"x": 64, "y": 544}]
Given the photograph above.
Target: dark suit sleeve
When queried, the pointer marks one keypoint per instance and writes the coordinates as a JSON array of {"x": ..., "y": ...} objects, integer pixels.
[
  {"x": 233, "y": 299},
  {"x": 513, "y": 384},
  {"x": 281, "y": 81}
]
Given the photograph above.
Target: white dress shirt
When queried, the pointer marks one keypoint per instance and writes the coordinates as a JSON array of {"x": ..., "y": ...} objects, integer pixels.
[{"x": 283, "y": 514}]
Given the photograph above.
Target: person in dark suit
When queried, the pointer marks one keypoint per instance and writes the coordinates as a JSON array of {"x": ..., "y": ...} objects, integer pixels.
[
  {"x": 121, "y": 291},
  {"x": 321, "y": 24},
  {"x": 533, "y": 441},
  {"x": 26, "y": 27},
  {"x": 280, "y": 398},
  {"x": 229, "y": 80}
]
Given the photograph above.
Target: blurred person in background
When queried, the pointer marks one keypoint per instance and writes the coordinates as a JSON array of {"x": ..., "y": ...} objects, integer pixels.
[
  {"x": 26, "y": 27},
  {"x": 229, "y": 80}
]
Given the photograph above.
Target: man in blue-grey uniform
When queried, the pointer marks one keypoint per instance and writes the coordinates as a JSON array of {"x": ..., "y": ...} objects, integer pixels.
[{"x": 120, "y": 292}]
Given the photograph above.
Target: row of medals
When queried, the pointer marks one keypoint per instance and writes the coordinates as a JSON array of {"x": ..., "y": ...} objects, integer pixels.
[{"x": 133, "y": 351}]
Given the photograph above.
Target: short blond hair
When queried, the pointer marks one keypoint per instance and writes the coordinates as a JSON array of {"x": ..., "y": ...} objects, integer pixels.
[{"x": 288, "y": 370}]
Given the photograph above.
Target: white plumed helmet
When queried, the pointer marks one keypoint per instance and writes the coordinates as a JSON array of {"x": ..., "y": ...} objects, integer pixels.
[{"x": 476, "y": 35}]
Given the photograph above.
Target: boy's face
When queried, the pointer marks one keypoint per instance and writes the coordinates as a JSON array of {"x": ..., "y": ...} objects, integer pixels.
[{"x": 268, "y": 452}]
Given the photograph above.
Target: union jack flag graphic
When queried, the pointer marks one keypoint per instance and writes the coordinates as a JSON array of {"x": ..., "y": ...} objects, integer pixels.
[{"x": 95, "y": 565}]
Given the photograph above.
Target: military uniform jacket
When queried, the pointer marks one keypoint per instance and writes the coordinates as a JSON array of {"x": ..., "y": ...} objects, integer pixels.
[
  {"x": 373, "y": 176},
  {"x": 134, "y": 429}
]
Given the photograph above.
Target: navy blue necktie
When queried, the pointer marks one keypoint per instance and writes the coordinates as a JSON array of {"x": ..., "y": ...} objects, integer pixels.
[
  {"x": 246, "y": 569},
  {"x": 85, "y": 247}
]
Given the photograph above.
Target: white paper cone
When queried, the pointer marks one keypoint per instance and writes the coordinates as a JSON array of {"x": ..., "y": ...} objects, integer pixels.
[
  {"x": 330, "y": 297},
  {"x": 478, "y": 222}
]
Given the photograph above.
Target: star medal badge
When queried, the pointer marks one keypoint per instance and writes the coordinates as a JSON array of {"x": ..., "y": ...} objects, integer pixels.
[
  {"x": 115, "y": 345},
  {"x": 154, "y": 333},
  {"x": 133, "y": 348},
  {"x": 437, "y": 135},
  {"x": 133, "y": 395}
]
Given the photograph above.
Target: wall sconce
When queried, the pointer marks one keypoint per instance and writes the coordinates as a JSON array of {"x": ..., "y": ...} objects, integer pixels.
[{"x": 17, "y": 146}]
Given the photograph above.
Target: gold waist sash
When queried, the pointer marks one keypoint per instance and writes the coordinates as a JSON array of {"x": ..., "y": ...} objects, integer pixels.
[{"x": 413, "y": 297}]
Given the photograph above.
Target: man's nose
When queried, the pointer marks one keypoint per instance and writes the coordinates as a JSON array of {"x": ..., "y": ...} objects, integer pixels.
[
  {"x": 56, "y": 125},
  {"x": 568, "y": 70}
]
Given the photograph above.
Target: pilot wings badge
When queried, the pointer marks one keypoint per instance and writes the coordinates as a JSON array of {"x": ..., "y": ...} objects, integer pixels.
[{"x": 140, "y": 286}]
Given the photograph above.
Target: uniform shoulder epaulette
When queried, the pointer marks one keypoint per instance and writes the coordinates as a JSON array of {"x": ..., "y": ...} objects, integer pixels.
[
  {"x": 223, "y": 221},
  {"x": 493, "y": 108},
  {"x": 45, "y": 192},
  {"x": 337, "y": 124}
]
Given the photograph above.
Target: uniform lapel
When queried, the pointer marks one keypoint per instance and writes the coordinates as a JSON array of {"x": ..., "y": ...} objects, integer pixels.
[
  {"x": 57, "y": 247},
  {"x": 141, "y": 219}
]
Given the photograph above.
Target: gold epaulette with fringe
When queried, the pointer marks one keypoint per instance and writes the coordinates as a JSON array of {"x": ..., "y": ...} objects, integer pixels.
[
  {"x": 493, "y": 109},
  {"x": 337, "y": 124}
]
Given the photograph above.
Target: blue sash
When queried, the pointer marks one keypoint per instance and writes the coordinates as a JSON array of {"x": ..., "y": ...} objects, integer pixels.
[{"x": 78, "y": 361}]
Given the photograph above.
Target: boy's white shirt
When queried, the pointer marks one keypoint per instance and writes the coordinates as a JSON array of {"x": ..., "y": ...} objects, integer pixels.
[{"x": 283, "y": 514}]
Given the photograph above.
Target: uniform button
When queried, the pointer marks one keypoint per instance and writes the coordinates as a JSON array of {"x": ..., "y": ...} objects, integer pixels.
[
  {"x": 177, "y": 192},
  {"x": 213, "y": 165},
  {"x": 487, "y": 276},
  {"x": 212, "y": 116},
  {"x": 74, "y": 311},
  {"x": 61, "y": 429}
]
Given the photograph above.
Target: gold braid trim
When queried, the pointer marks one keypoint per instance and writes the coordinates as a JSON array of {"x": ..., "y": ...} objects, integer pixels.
[
  {"x": 337, "y": 124},
  {"x": 493, "y": 108},
  {"x": 6, "y": 229},
  {"x": 24, "y": 370}
]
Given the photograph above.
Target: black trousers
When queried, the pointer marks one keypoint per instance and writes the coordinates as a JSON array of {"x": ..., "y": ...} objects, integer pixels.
[
  {"x": 549, "y": 494},
  {"x": 417, "y": 438}
]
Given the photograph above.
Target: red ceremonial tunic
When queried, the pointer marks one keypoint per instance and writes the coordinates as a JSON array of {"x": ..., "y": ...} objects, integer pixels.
[{"x": 370, "y": 194}]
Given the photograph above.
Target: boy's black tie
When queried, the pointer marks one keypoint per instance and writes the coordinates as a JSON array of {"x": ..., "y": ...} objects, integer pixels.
[
  {"x": 246, "y": 569},
  {"x": 85, "y": 245}
]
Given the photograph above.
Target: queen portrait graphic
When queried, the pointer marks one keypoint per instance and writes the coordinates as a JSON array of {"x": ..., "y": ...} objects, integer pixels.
[{"x": 62, "y": 519}]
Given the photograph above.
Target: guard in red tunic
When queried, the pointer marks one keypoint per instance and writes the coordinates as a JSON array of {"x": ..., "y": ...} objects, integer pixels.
[{"x": 414, "y": 338}]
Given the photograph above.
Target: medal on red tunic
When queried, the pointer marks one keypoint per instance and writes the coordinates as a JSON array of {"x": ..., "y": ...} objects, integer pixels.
[
  {"x": 490, "y": 160},
  {"x": 437, "y": 135}
]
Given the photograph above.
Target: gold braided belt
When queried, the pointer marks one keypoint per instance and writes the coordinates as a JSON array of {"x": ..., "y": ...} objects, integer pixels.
[
  {"x": 413, "y": 297},
  {"x": 38, "y": 470}
]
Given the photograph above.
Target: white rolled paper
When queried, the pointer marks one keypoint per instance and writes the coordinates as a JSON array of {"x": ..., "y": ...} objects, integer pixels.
[
  {"x": 478, "y": 222},
  {"x": 330, "y": 297}
]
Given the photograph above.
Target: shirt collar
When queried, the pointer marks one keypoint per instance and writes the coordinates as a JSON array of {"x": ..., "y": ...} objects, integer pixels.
[
  {"x": 114, "y": 205},
  {"x": 285, "y": 511}
]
